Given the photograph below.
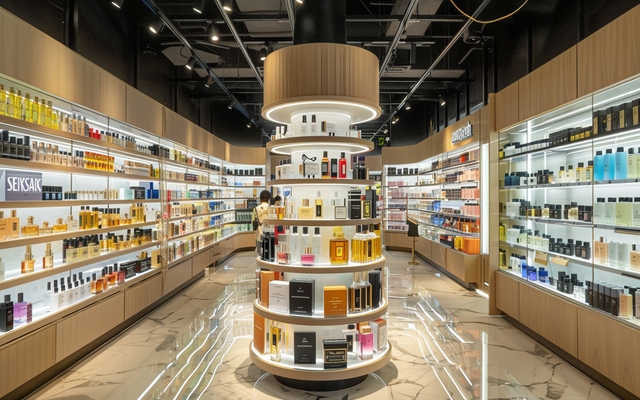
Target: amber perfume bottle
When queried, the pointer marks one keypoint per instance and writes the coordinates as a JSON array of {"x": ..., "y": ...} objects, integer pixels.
[
  {"x": 338, "y": 248},
  {"x": 318, "y": 206},
  {"x": 30, "y": 229},
  {"x": 28, "y": 263},
  {"x": 46, "y": 229},
  {"x": 275, "y": 342},
  {"x": 4, "y": 226},
  {"x": 47, "y": 260},
  {"x": 60, "y": 226}
]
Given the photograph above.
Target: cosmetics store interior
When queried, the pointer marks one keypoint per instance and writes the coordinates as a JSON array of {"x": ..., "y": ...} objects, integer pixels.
[{"x": 305, "y": 199}]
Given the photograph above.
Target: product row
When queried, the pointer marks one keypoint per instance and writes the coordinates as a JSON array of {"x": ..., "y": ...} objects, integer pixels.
[
  {"x": 469, "y": 156},
  {"x": 297, "y": 296},
  {"x": 623, "y": 211},
  {"x": 328, "y": 168},
  {"x": 285, "y": 245},
  {"x": 360, "y": 342},
  {"x": 310, "y": 127},
  {"x": 360, "y": 204}
]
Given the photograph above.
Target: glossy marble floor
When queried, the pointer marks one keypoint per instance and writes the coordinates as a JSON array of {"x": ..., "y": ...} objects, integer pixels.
[{"x": 444, "y": 347}]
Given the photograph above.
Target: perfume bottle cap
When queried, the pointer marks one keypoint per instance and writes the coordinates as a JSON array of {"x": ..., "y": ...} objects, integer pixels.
[
  {"x": 7, "y": 298},
  {"x": 305, "y": 202},
  {"x": 20, "y": 297},
  {"x": 316, "y": 231},
  {"x": 609, "y": 151},
  {"x": 620, "y": 150},
  {"x": 14, "y": 213},
  {"x": 49, "y": 286}
]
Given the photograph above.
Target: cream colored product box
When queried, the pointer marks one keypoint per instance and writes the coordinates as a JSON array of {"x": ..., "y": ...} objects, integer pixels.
[
  {"x": 279, "y": 296},
  {"x": 379, "y": 329}
]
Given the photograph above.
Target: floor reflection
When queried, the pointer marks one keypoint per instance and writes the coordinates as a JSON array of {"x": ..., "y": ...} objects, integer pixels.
[{"x": 444, "y": 347}]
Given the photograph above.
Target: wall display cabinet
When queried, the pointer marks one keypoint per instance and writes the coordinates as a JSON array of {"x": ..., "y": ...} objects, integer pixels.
[
  {"x": 570, "y": 208},
  {"x": 321, "y": 292},
  {"x": 441, "y": 194},
  {"x": 90, "y": 206}
]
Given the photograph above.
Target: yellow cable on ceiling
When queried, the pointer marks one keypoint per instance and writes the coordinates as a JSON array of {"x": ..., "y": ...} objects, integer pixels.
[{"x": 488, "y": 22}]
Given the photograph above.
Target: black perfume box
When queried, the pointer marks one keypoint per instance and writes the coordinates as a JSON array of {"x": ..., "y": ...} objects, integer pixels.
[
  {"x": 335, "y": 353},
  {"x": 302, "y": 297},
  {"x": 355, "y": 209},
  {"x": 376, "y": 288},
  {"x": 635, "y": 105},
  {"x": 129, "y": 269},
  {"x": 138, "y": 192},
  {"x": 304, "y": 348},
  {"x": 145, "y": 264}
]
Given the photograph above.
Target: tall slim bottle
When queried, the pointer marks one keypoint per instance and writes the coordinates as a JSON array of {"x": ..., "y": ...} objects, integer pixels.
[
  {"x": 609, "y": 165},
  {"x": 315, "y": 245},
  {"x": 294, "y": 244},
  {"x": 621, "y": 163},
  {"x": 325, "y": 165},
  {"x": 598, "y": 166},
  {"x": 275, "y": 341}
]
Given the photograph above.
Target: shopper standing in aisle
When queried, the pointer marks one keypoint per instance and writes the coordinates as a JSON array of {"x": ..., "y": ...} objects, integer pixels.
[{"x": 259, "y": 213}]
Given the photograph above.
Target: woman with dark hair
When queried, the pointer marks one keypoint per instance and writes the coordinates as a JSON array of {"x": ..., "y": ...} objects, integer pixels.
[{"x": 260, "y": 213}]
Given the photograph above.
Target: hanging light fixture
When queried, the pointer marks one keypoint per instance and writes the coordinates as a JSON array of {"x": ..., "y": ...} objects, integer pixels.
[
  {"x": 212, "y": 32},
  {"x": 227, "y": 5},
  {"x": 156, "y": 26},
  {"x": 249, "y": 124},
  {"x": 263, "y": 53},
  {"x": 199, "y": 6},
  {"x": 117, "y": 3},
  {"x": 231, "y": 104},
  {"x": 191, "y": 63},
  {"x": 209, "y": 81},
  {"x": 407, "y": 107},
  {"x": 442, "y": 101}
]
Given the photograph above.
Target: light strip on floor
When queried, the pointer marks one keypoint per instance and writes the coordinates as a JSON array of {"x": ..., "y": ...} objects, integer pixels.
[{"x": 481, "y": 293}]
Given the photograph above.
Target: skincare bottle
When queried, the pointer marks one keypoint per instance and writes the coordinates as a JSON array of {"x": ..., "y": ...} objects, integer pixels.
[
  {"x": 621, "y": 163},
  {"x": 46, "y": 296},
  {"x": 570, "y": 176},
  {"x": 304, "y": 131},
  {"x": 561, "y": 175},
  {"x": 613, "y": 254},
  {"x": 632, "y": 164},
  {"x": 625, "y": 304},
  {"x": 581, "y": 173},
  {"x": 624, "y": 255},
  {"x": 609, "y": 165},
  {"x": 623, "y": 211},
  {"x": 589, "y": 172},
  {"x": 598, "y": 166},
  {"x": 610, "y": 212},
  {"x": 313, "y": 127}
]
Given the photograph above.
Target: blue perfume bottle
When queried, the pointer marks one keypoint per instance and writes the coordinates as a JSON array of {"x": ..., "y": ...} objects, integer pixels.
[
  {"x": 609, "y": 165},
  {"x": 598, "y": 166},
  {"x": 533, "y": 274}
]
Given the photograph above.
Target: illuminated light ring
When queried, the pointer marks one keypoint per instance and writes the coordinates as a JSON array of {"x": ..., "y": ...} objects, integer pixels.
[
  {"x": 303, "y": 143},
  {"x": 361, "y": 112}
]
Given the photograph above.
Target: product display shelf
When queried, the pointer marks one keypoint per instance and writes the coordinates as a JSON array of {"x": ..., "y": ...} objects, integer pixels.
[
  {"x": 320, "y": 181},
  {"x": 30, "y": 240},
  {"x": 581, "y": 152},
  {"x": 347, "y": 144},
  {"x": 323, "y": 268},
  {"x": 287, "y": 368},
  {"x": 446, "y": 214},
  {"x": 205, "y": 248},
  {"x": 632, "y": 322},
  {"x": 43, "y": 316},
  {"x": 318, "y": 318},
  {"x": 199, "y": 215},
  {"x": 451, "y": 167},
  {"x": 69, "y": 203},
  {"x": 40, "y": 273},
  {"x": 321, "y": 222}
]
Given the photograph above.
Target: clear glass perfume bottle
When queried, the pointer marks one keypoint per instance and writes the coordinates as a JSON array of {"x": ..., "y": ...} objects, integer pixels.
[
  {"x": 355, "y": 294},
  {"x": 316, "y": 244},
  {"x": 30, "y": 229},
  {"x": 47, "y": 260},
  {"x": 338, "y": 248},
  {"x": 294, "y": 244},
  {"x": 28, "y": 264},
  {"x": 275, "y": 342}
]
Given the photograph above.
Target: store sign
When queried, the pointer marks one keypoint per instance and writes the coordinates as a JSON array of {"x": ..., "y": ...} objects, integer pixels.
[
  {"x": 462, "y": 134},
  {"x": 21, "y": 186}
]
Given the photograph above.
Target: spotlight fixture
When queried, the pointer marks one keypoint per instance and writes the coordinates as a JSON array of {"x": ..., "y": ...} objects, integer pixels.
[
  {"x": 231, "y": 104},
  {"x": 212, "y": 32},
  {"x": 227, "y": 5},
  {"x": 407, "y": 107},
  {"x": 394, "y": 120},
  {"x": 249, "y": 124},
  {"x": 442, "y": 101},
  {"x": 299, "y": 1},
  {"x": 117, "y": 3},
  {"x": 190, "y": 64},
  {"x": 263, "y": 53},
  {"x": 209, "y": 81},
  {"x": 156, "y": 26},
  {"x": 199, "y": 6}
]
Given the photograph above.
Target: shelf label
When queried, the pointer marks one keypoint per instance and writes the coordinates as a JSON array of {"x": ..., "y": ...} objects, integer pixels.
[
  {"x": 461, "y": 134},
  {"x": 21, "y": 186}
]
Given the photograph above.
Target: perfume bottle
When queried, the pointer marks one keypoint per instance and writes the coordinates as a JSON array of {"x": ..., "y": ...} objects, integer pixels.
[
  {"x": 72, "y": 224},
  {"x": 325, "y": 165},
  {"x": 47, "y": 260},
  {"x": 20, "y": 311},
  {"x": 624, "y": 211},
  {"x": 46, "y": 229},
  {"x": 609, "y": 165},
  {"x": 366, "y": 342},
  {"x": 318, "y": 206},
  {"x": 351, "y": 336},
  {"x": 28, "y": 263},
  {"x": 4, "y": 228},
  {"x": 305, "y": 211},
  {"x": 30, "y": 229},
  {"x": 275, "y": 341},
  {"x": 610, "y": 212},
  {"x": 308, "y": 258},
  {"x": 13, "y": 225},
  {"x": 338, "y": 248},
  {"x": 313, "y": 126},
  {"x": 304, "y": 131},
  {"x": 315, "y": 244},
  {"x": 355, "y": 296},
  {"x": 294, "y": 244},
  {"x": 621, "y": 164},
  {"x": 632, "y": 164},
  {"x": 60, "y": 226},
  {"x": 581, "y": 173},
  {"x": 342, "y": 166}
]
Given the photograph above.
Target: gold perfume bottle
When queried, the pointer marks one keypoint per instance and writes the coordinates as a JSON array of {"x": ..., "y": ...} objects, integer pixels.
[
  {"x": 338, "y": 248},
  {"x": 72, "y": 224},
  {"x": 47, "y": 260},
  {"x": 275, "y": 341},
  {"x": 60, "y": 226},
  {"x": 318, "y": 207},
  {"x": 4, "y": 227},
  {"x": 46, "y": 229},
  {"x": 13, "y": 225},
  {"x": 30, "y": 229},
  {"x": 28, "y": 263},
  {"x": 305, "y": 211}
]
